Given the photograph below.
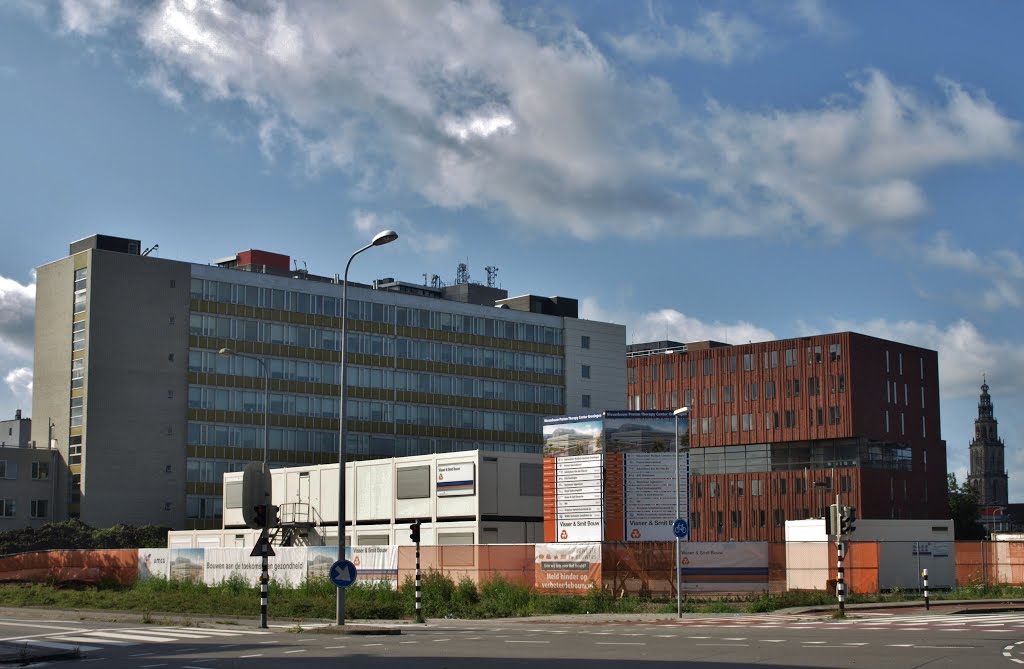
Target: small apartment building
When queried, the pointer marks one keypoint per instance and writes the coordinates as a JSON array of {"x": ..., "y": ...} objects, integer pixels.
[
  {"x": 778, "y": 429},
  {"x": 28, "y": 486},
  {"x": 462, "y": 498},
  {"x": 28, "y": 477}
]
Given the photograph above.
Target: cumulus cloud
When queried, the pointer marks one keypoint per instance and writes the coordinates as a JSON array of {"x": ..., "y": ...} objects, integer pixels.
[
  {"x": 716, "y": 38},
  {"x": 420, "y": 242},
  {"x": 92, "y": 17},
  {"x": 19, "y": 382},
  {"x": 1003, "y": 267},
  {"x": 540, "y": 127},
  {"x": 674, "y": 325},
  {"x": 818, "y": 18},
  {"x": 17, "y": 317}
]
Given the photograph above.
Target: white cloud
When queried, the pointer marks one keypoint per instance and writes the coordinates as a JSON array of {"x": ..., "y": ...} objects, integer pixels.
[
  {"x": 819, "y": 18},
  {"x": 17, "y": 317},
  {"x": 92, "y": 17},
  {"x": 1004, "y": 268},
  {"x": 19, "y": 381},
  {"x": 716, "y": 38},
  {"x": 410, "y": 235},
  {"x": 159, "y": 81},
  {"x": 541, "y": 128},
  {"x": 674, "y": 325}
]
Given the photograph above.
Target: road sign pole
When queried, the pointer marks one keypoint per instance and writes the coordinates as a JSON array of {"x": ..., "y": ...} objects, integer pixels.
[
  {"x": 840, "y": 585},
  {"x": 924, "y": 574},
  {"x": 264, "y": 577},
  {"x": 419, "y": 587}
]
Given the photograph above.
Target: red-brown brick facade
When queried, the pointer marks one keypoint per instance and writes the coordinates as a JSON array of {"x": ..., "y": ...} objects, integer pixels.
[{"x": 779, "y": 428}]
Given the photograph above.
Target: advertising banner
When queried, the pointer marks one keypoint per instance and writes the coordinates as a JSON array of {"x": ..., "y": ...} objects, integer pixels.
[
  {"x": 650, "y": 480},
  {"x": 152, "y": 563},
  {"x": 578, "y": 505},
  {"x": 457, "y": 479},
  {"x": 375, "y": 564},
  {"x": 185, "y": 564},
  {"x": 731, "y": 566},
  {"x": 567, "y": 568},
  {"x": 287, "y": 567}
]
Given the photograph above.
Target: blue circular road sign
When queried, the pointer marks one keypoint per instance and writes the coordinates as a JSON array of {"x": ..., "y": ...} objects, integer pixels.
[
  {"x": 680, "y": 528},
  {"x": 343, "y": 573}
]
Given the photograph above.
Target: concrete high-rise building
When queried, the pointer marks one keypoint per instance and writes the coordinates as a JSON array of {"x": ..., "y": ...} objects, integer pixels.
[
  {"x": 778, "y": 429},
  {"x": 988, "y": 466},
  {"x": 148, "y": 417}
]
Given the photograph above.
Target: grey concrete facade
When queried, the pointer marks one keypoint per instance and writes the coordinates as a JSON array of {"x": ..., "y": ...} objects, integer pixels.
[{"x": 30, "y": 480}]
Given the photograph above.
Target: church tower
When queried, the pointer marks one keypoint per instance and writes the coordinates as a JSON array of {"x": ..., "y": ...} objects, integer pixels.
[{"x": 988, "y": 470}]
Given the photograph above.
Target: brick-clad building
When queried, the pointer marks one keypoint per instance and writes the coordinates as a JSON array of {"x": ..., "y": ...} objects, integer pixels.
[{"x": 779, "y": 428}]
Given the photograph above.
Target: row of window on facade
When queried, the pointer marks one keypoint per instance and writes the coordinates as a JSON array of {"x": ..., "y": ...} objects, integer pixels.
[
  {"x": 307, "y": 303},
  {"x": 38, "y": 508},
  {"x": 758, "y": 519},
  {"x": 358, "y": 444},
  {"x": 358, "y": 376},
  {"x": 706, "y": 366},
  {"x": 241, "y": 329},
  {"x": 39, "y": 471},
  {"x": 315, "y": 406},
  {"x": 710, "y": 395},
  {"x": 780, "y": 487}
]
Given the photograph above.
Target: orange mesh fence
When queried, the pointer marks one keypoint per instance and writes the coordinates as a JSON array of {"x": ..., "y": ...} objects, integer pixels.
[
  {"x": 973, "y": 564},
  {"x": 77, "y": 566},
  {"x": 636, "y": 568}
]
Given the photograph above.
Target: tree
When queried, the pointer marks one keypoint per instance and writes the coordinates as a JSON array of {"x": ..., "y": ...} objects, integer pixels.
[{"x": 963, "y": 509}]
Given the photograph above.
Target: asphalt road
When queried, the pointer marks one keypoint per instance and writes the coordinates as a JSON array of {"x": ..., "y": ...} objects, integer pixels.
[{"x": 867, "y": 640}]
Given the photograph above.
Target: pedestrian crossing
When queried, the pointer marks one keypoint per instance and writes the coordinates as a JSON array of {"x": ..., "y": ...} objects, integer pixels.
[
  {"x": 866, "y": 620},
  {"x": 98, "y": 639}
]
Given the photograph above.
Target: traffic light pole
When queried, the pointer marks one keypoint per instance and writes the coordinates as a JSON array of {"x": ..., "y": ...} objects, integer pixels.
[
  {"x": 419, "y": 583},
  {"x": 840, "y": 581},
  {"x": 264, "y": 577}
]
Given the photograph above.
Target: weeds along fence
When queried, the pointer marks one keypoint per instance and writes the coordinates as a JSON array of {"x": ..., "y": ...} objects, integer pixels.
[{"x": 619, "y": 568}]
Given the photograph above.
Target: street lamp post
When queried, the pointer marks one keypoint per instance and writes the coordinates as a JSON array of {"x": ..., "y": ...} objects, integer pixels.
[
  {"x": 264, "y": 544},
  {"x": 679, "y": 567},
  {"x": 381, "y": 238}
]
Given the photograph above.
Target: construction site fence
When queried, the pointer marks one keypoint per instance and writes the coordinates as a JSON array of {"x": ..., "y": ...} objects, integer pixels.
[{"x": 622, "y": 568}]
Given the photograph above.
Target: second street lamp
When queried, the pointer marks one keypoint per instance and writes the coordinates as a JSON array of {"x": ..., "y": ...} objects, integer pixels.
[
  {"x": 381, "y": 238},
  {"x": 677, "y": 414}
]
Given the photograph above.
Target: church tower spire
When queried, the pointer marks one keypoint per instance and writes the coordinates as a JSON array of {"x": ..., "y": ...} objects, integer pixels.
[{"x": 988, "y": 468}]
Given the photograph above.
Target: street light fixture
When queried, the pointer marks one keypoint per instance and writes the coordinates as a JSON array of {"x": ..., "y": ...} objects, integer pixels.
[
  {"x": 679, "y": 567},
  {"x": 231, "y": 353},
  {"x": 381, "y": 238}
]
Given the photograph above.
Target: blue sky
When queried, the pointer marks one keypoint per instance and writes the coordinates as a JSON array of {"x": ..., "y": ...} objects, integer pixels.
[{"x": 734, "y": 171}]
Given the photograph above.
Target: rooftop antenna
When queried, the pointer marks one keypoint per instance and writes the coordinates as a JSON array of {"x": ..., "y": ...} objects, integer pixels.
[
  {"x": 424, "y": 278},
  {"x": 152, "y": 248},
  {"x": 492, "y": 274},
  {"x": 462, "y": 274}
]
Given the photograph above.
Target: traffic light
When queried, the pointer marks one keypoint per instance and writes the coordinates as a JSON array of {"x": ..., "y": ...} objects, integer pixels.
[
  {"x": 259, "y": 515},
  {"x": 414, "y": 532},
  {"x": 846, "y": 524},
  {"x": 833, "y": 521}
]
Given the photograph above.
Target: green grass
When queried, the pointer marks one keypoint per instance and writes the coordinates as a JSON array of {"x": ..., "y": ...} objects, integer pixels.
[{"x": 442, "y": 597}]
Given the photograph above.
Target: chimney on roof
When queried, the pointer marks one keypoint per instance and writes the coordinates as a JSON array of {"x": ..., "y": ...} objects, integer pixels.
[{"x": 17, "y": 414}]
